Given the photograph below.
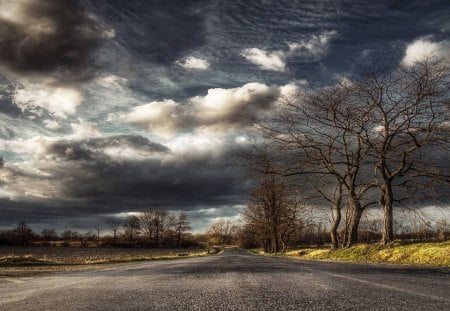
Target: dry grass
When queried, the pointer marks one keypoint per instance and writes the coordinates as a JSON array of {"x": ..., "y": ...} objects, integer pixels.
[
  {"x": 434, "y": 254},
  {"x": 53, "y": 256}
]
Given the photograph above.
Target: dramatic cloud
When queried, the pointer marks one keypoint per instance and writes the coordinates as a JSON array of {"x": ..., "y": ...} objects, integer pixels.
[
  {"x": 157, "y": 115},
  {"x": 313, "y": 48},
  {"x": 220, "y": 110},
  {"x": 44, "y": 37},
  {"x": 58, "y": 101},
  {"x": 195, "y": 63},
  {"x": 114, "y": 174},
  {"x": 111, "y": 107},
  {"x": 425, "y": 47}
]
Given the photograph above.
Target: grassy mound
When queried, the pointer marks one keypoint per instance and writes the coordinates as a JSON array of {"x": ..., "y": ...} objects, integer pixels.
[{"x": 436, "y": 254}]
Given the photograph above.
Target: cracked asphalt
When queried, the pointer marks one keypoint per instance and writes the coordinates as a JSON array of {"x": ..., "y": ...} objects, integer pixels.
[{"x": 232, "y": 280}]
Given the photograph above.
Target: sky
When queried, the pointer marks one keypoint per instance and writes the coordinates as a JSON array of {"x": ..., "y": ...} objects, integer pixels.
[{"x": 108, "y": 108}]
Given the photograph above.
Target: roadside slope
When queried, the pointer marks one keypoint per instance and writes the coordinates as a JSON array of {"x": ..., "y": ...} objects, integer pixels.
[{"x": 433, "y": 254}]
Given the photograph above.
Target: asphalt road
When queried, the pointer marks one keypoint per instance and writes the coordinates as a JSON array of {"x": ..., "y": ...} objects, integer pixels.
[{"x": 233, "y": 280}]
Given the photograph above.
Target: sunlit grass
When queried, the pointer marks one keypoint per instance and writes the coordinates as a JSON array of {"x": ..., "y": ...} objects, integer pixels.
[{"x": 436, "y": 254}]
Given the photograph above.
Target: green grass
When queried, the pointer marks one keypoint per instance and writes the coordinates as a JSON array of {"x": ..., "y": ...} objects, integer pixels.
[{"x": 435, "y": 254}]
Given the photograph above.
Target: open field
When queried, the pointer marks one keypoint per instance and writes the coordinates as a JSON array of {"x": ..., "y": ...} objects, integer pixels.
[
  {"x": 433, "y": 254},
  {"x": 48, "y": 256}
]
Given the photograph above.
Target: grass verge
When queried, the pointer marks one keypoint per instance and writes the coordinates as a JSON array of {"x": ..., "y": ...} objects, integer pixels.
[
  {"x": 34, "y": 260},
  {"x": 431, "y": 254}
]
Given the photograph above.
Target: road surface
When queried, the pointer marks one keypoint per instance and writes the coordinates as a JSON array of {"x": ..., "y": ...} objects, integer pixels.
[{"x": 233, "y": 280}]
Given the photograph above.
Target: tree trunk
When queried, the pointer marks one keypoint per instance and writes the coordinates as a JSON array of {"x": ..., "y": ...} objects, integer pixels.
[
  {"x": 157, "y": 237},
  {"x": 388, "y": 221},
  {"x": 356, "y": 209},
  {"x": 337, "y": 218},
  {"x": 334, "y": 229},
  {"x": 276, "y": 240}
]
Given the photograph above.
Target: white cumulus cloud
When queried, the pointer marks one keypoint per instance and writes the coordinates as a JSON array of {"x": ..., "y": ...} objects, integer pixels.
[
  {"x": 158, "y": 116},
  {"x": 425, "y": 47},
  {"x": 194, "y": 63},
  {"x": 58, "y": 101},
  {"x": 269, "y": 61},
  {"x": 314, "y": 47},
  {"x": 219, "y": 111}
]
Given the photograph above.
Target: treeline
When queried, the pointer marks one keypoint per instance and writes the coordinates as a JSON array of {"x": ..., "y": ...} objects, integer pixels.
[
  {"x": 376, "y": 141},
  {"x": 153, "y": 228},
  {"x": 317, "y": 234}
]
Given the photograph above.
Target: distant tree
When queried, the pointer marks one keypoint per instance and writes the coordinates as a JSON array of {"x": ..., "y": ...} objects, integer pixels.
[
  {"x": 163, "y": 222},
  {"x": 272, "y": 213},
  {"x": 147, "y": 224},
  {"x": 49, "y": 234},
  {"x": 223, "y": 232},
  {"x": 89, "y": 237},
  {"x": 114, "y": 227},
  {"x": 7, "y": 237},
  {"x": 97, "y": 237},
  {"x": 67, "y": 235},
  {"x": 132, "y": 226},
  {"x": 182, "y": 225},
  {"x": 23, "y": 233}
]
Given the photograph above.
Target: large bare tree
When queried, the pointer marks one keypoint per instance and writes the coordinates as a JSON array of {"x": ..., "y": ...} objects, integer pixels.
[
  {"x": 383, "y": 121},
  {"x": 409, "y": 114},
  {"x": 324, "y": 133}
]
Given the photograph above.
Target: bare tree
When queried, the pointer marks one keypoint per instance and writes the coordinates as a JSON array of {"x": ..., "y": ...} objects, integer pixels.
[
  {"x": 132, "y": 226},
  {"x": 114, "y": 227},
  {"x": 147, "y": 224},
  {"x": 24, "y": 234},
  {"x": 272, "y": 212},
  {"x": 182, "y": 225},
  {"x": 323, "y": 131},
  {"x": 222, "y": 231},
  {"x": 328, "y": 188},
  {"x": 163, "y": 222},
  {"x": 49, "y": 234},
  {"x": 97, "y": 236},
  {"x": 409, "y": 115}
]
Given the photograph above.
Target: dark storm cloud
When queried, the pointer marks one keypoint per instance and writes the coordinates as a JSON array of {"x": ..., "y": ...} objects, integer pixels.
[
  {"x": 82, "y": 180},
  {"x": 47, "y": 36},
  {"x": 158, "y": 181},
  {"x": 135, "y": 141},
  {"x": 87, "y": 149},
  {"x": 378, "y": 27},
  {"x": 158, "y": 31}
]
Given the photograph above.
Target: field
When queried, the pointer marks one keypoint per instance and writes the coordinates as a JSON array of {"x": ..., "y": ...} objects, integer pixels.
[
  {"x": 433, "y": 254},
  {"x": 57, "y": 256}
]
